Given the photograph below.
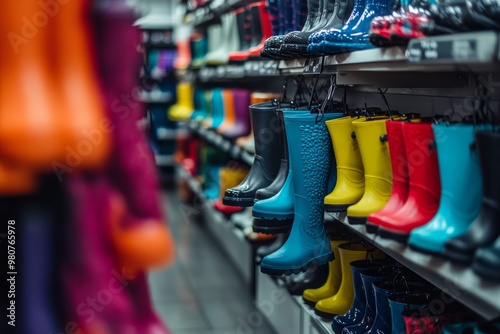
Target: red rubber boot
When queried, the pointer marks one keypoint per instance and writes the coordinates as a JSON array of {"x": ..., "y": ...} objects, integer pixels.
[
  {"x": 267, "y": 32},
  {"x": 425, "y": 185},
  {"x": 400, "y": 177}
]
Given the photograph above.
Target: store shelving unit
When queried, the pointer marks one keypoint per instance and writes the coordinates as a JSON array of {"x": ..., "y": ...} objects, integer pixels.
[
  {"x": 222, "y": 143},
  {"x": 436, "y": 62},
  {"x": 459, "y": 281}
]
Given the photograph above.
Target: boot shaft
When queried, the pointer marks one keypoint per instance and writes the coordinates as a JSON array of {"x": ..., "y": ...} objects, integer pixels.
[
  {"x": 458, "y": 160},
  {"x": 345, "y": 144},
  {"x": 487, "y": 145},
  {"x": 422, "y": 161},
  {"x": 371, "y": 136},
  {"x": 314, "y": 11}
]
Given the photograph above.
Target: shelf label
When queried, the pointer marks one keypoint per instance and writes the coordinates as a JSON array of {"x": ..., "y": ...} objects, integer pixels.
[
  {"x": 446, "y": 50},
  {"x": 314, "y": 66}
]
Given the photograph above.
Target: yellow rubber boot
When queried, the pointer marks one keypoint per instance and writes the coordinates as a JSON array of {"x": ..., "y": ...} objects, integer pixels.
[
  {"x": 332, "y": 284},
  {"x": 372, "y": 139},
  {"x": 350, "y": 184},
  {"x": 341, "y": 302},
  {"x": 184, "y": 107},
  {"x": 229, "y": 178},
  {"x": 229, "y": 115}
]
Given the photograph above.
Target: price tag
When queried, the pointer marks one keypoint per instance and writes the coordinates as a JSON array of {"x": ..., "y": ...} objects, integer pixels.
[
  {"x": 428, "y": 50},
  {"x": 314, "y": 66}
]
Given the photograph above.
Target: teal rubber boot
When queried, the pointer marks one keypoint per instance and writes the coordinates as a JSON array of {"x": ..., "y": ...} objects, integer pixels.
[
  {"x": 310, "y": 157},
  {"x": 461, "y": 188},
  {"x": 279, "y": 208}
]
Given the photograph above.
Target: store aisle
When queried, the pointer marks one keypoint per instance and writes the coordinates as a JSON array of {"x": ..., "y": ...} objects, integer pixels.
[{"x": 201, "y": 293}]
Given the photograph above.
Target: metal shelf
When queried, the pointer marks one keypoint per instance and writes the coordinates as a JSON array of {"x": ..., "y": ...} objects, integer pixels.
[
  {"x": 481, "y": 295},
  {"x": 223, "y": 144},
  {"x": 171, "y": 134}
]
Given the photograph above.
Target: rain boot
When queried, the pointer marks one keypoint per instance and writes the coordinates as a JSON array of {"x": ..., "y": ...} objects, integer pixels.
[
  {"x": 314, "y": 277},
  {"x": 372, "y": 140},
  {"x": 356, "y": 37},
  {"x": 357, "y": 311},
  {"x": 200, "y": 105},
  {"x": 229, "y": 113},
  {"x": 244, "y": 19},
  {"x": 231, "y": 42},
  {"x": 295, "y": 42},
  {"x": 485, "y": 228},
  {"x": 401, "y": 285},
  {"x": 425, "y": 186},
  {"x": 332, "y": 284},
  {"x": 266, "y": 163},
  {"x": 400, "y": 177},
  {"x": 278, "y": 182},
  {"x": 275, "y": 213},
  {"x": 183, "y": 109},
  {"x": 460, "y": 200},
  {"x": 342, "y": 301},
  {"x": 241, "y": 126},
  {"x": 310, "y": 160},
  {"x": 402, "y": 302},
  {"x": 369, "y": 277},
  {"x": 265, "y": 30},
  {"x": 217, "y": 109},
  {"x": 229, "y": 177},
  {"x": 273, "y": 8},
  {"x": 350, "y": 184}
]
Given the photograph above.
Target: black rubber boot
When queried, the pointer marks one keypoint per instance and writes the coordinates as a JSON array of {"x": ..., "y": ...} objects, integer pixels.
[
  {"x": 486, "y": 227},
  {"x": 313, "y": 278},
  {"x": 278, "y": 182},
  {"x": 335, "y": 15},
  {"x": 266, "y": 163}
]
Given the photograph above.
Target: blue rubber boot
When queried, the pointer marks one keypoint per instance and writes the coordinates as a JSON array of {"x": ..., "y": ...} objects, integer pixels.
[
  {"x": 355, "y": 36},
  {"x": 318, "y": 37},
  {"x": 357, "y": 311},
  {"x": 200, "y": 105},
  {"x": 369, "y": 277},
  {"x": 217, "y": 108},
  {"x": 310, "y": 158},
  {"x": 461, "y": 188},
  {"x": 279, "y": 208},
  {"x": 403, "y": 302}
]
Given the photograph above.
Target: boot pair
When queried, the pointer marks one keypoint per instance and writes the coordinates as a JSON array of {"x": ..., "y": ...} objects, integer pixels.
[
  {"x": 363, "y": 167},
  {"x": 322, "y": 16},
  {"x": 416, "y": 190},
  {"x": 336, "y": 295},
  {"x": 310, "y": 160},
  {"x": 254, "y": 28},
  {"x": 354, "y": 34},
  {"x": 382, "y": 291},
  {"x": 481, "y": 241}
]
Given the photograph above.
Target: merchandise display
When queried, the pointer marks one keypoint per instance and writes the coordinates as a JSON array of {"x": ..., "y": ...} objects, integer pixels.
[{"x": 250, "y": 166}]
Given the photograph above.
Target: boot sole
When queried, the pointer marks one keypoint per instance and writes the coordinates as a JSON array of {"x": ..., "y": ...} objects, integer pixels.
[
  {"x": 386, "y": 234},
  {"x": 336, "y": 207},
  {"x": 324, "y": 315},
  {"x": 234, "y": 201},
  {"x": 459, "y": 257},
  {"x": 289, "y": 271},
  {"x": 486, "y": 272},
  {"x": 272, "y": 226},
  {"x": 356, "y": 220},
  {"x": 372, "y": 228}
]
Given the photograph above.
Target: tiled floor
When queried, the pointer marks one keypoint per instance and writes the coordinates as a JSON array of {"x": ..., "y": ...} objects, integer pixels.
[{"x": 201, "y": 292}]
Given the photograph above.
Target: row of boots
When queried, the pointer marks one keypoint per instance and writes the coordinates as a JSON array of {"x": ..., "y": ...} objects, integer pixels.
[{"x": 395, "y": 174}]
